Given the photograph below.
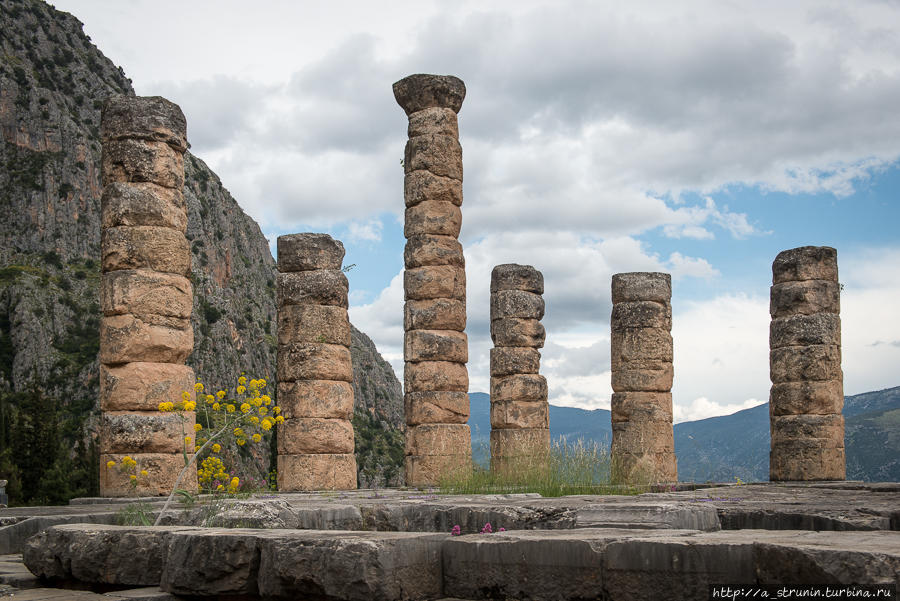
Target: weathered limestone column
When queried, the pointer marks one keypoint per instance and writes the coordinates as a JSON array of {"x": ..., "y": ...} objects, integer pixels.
[
  {"x": 807, "y": 394},
  {"x": 145, "y": 295},
  {"x": 436, "y": 381},
  {"x": 315, "y": 441},
  {"x": 643, "y": 447},
  {"x": 520, "y": 413}
]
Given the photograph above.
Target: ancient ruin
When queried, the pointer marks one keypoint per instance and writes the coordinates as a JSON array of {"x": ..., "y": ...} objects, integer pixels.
[
  {"x": 145, "y": 295},
  {"x": 520, "y": 412},
  {"x": 315, "y": 441},
  {"x": 643, "y": 446},
  {"x": 436, "y": 380},
  {"x": 807, "y": 393}
]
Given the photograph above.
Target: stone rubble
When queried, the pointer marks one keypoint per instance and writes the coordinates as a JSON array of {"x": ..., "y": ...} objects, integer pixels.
[
  {"x": 145, "y": 295},
  {"x": 643, "y": 446},
  {"x": 436, "y": 380},
  {"x": 315, "y": 441}
]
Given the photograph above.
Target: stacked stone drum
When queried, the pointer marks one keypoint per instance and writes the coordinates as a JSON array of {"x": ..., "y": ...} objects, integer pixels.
[
  {"x": 520, "y": 413},
  {"x": 436, "y": 380},
  {"x": 315, "y": 441},
  {"x": 643, "y": 447},
  {"x": 145, "y": 295},
  {"x": 807, "y": 394}
]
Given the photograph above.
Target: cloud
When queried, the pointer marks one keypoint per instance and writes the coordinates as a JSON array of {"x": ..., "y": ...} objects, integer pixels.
[
  {"x": 369, "y": 231},
  {"x": 702, "y": 408}
]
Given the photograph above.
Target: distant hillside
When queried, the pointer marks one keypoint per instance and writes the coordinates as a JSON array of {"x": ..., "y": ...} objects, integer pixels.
[{"x": 735, "y": 446}]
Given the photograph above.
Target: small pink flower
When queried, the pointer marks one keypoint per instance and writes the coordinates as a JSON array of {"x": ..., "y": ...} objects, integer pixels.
[
  {"x": 456, "y": 531},
  {"x": 502, "y": 529},
  {"x": 487, "y": 529}
]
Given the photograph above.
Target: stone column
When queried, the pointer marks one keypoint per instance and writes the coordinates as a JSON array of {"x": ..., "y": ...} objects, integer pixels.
[
  {"x": 807, "y": 394},
  {"x": 520, "y": 413},
  {"x": 436, "y": 381},
  {"x": 643, "y": 447},
  {"x": 315, "y": 441},
  {"x": 145, "y": 294}
]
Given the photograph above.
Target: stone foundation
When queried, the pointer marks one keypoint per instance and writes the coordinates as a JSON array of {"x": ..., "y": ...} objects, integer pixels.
[
  {"x": 435, "y": 346},
  {"x": 643, "y": 447},
  {"x": 145, "y": 295},
  {"x": 807, "y": 394},
  {"x": 315, "y": 441}
]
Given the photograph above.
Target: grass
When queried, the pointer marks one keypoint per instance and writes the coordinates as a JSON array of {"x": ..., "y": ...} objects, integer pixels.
[{"x": 577, "y": 468}]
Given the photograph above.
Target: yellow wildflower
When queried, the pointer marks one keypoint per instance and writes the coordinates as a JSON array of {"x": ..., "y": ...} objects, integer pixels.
[
  {"x": 276, "y": 409},
  {"x": 238, "y": 432},
  {"x": 110, "y": 464},
  {"x": 241, "y": 389},
  {"x": 266, "y": 424},
  {"x": 187, "y": 440},
  {"x": 198, "y": 387},
  {"x": 254, "y": 420},
  {"x": 230, "y": 408},
  {"x": 240, "y": 442},
  {"x": 190, "y": 405},
  {"x": 261, "y": 382},
  {"x": 263, "y": 410},
  {"x": 257, "y": 437},
  {"x": 242, "y": 380},
  {"x": 279, "y": 419},
  {"x": 185, "y": 395},
  {"x": 197, "y": 427},
  {"x": 210, "y": 399},
  {"x": 266, "y": 399},
  {"x": 144, "y": 473},
  {"x": 221, "y": 394},
  {"x": 220, "y": 487},
  {"x": 216, "y": 447},
  {"x": 246, "y": 408},
  {"x": 133, "y": 478},
  {"x": 166, "y": 406},
  {"x": 216, "y": 406}
]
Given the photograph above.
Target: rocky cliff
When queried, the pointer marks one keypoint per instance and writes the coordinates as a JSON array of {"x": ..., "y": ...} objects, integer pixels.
[{"x": 53, "y": 82}]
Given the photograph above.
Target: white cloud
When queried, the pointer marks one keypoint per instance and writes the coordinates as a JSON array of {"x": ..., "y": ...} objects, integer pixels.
[
  {"x": 702, "y": 408},
  {"x": 369, "y": 231}
]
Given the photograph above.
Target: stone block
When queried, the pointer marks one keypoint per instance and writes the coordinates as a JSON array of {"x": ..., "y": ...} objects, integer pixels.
[
  {"x": 641, "y": 314},
  {"x": 438, "y": 439},
  {"x": 642, "y": 438},
  {"x": 434, "y": 282},
  {"x": 144, "y": 432},
  {"x": 130, "y": 160},
  {"x": 519, "y": 414},
  {"x": 827, "y": 429},
  {"x": 511, "y": 276},
  {"x": 434, "y": 314},
  {"x": 516, "y": 303},
  {"x": 804, "y": 460},
  {"x": 436, "y": 217},
  {"x": 804, "y": 298},
  {"x": 319, "y": 287},
  {"x": 798, "y": 398},
  {"x": 642, "y": 468},
  {"x": 641, "y": 407},
  {"x": 142, "y": 386},
  {"x": 316, "y": 398},
  {"x": 430, "y": 470},
  {"x": 519, "y": 387},
  {"x": 144, "y": 118},
  {"x": 420, "y": 186},
  {"x": 436, "y": 407},
  {"x": 513, "y": 331},
  {"x": 805, "y": 263},
  {"x": 436, "y": 345},
  {"x": 316, "y": 472},
  {"x": 191, "y": 567},
  {"x": 643, "y": 376},
  {"x": 509, "y": 360},
  {"x": 162, "y": 471},
  {"x": 802, "y": 330},
  {"x": 306, "y": 252},
  {"x": 313, "y": 323},
  {"x": 146, "y": 292},
  {"x": 314, "y": 361},
  {"x": 357, "y": 565},
  {"x": 142, "y": 203},
  {"x": 427, "y": 376},
  {"x": 534, "y": 443},
  {"x": 641, "y": 286},
  {"x": 423, "y": 250},
  {"x": 423, "y": 91},
  {"x": 640, "y": 344},
  {"x": 440, "y": 155},
  {"x": 313, "y": 435},
  {"x": 156, "y": 339},
  {"x": 433, "y": 121},
  {"x": 146, "y": 246},
  {"x": 805, "y": 363}
]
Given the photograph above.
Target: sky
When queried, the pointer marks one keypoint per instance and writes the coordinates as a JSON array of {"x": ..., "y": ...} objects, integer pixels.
[{"x": 695, "y": 138}]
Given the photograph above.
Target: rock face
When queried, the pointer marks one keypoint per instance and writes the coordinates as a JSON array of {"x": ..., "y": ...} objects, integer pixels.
[
  {"x": 807, "y": 393},
  {"x": 520, "y": 412},
  {"x": 643, "y": 446},
  {"x": 53, "y": 83},
  {"x": 315, "y": 441},
  {"x": 435, "y": 346},
  {"x": 144, "y": 322}
]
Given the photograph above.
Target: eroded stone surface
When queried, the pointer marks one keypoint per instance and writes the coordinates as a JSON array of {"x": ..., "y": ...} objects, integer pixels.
[
  {"x": 316, "y": 398},
  {"x": 511, "y": 276},
  {"x": 434, "y": 314},
  {"x": 317, "y": 472},
  {"x": 436, "y": 407},
  {"x": 509, "y": 360},
  {"x": 146, "y": 246},
  {"x": 309, "y": 251},
  {"x": 519, "y": 387},
  {"x": 436, "y": 217},
  {"x": 139, "y": 203},
  {"x": 641, "y": 286},
  {"x": 426, "y": 376},
  {"x": 126, "y": 432},
  {"x": 422, "y": 91},
  {"x": 162, "y": 471},
  {"x": 805, "y": 263},
  {"x": 142, "y": 386},
  {"x": 435, "y": 282},
  {"x": 313, "y": 323},
  {"x": 129, "y": 160},
  {"x": 144, "y": 118},
  {"x": 314, "y": 361},
  {"x": 318, "y": 287},
  {"x": 145, "y": 292},
  {"x": 436, "y": 345},
  {"x": 424, "y": 250},
  {"x": 310, "y": 435},
  {"x": 513, "y": 331},
  {"x": 437, "y": 439},
  {"x": 148, "y": 338}
]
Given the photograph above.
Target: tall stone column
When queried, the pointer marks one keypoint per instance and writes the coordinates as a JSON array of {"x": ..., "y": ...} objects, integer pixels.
[
  {"x": 807, "y": 394},
  {"x": 520, "y": 413},
  {"x": 145, "y": 294},
  {"x": 315, "y": 441},
  {"x": 436, "y": 381},
  {"x": 643, "y": 447}
]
